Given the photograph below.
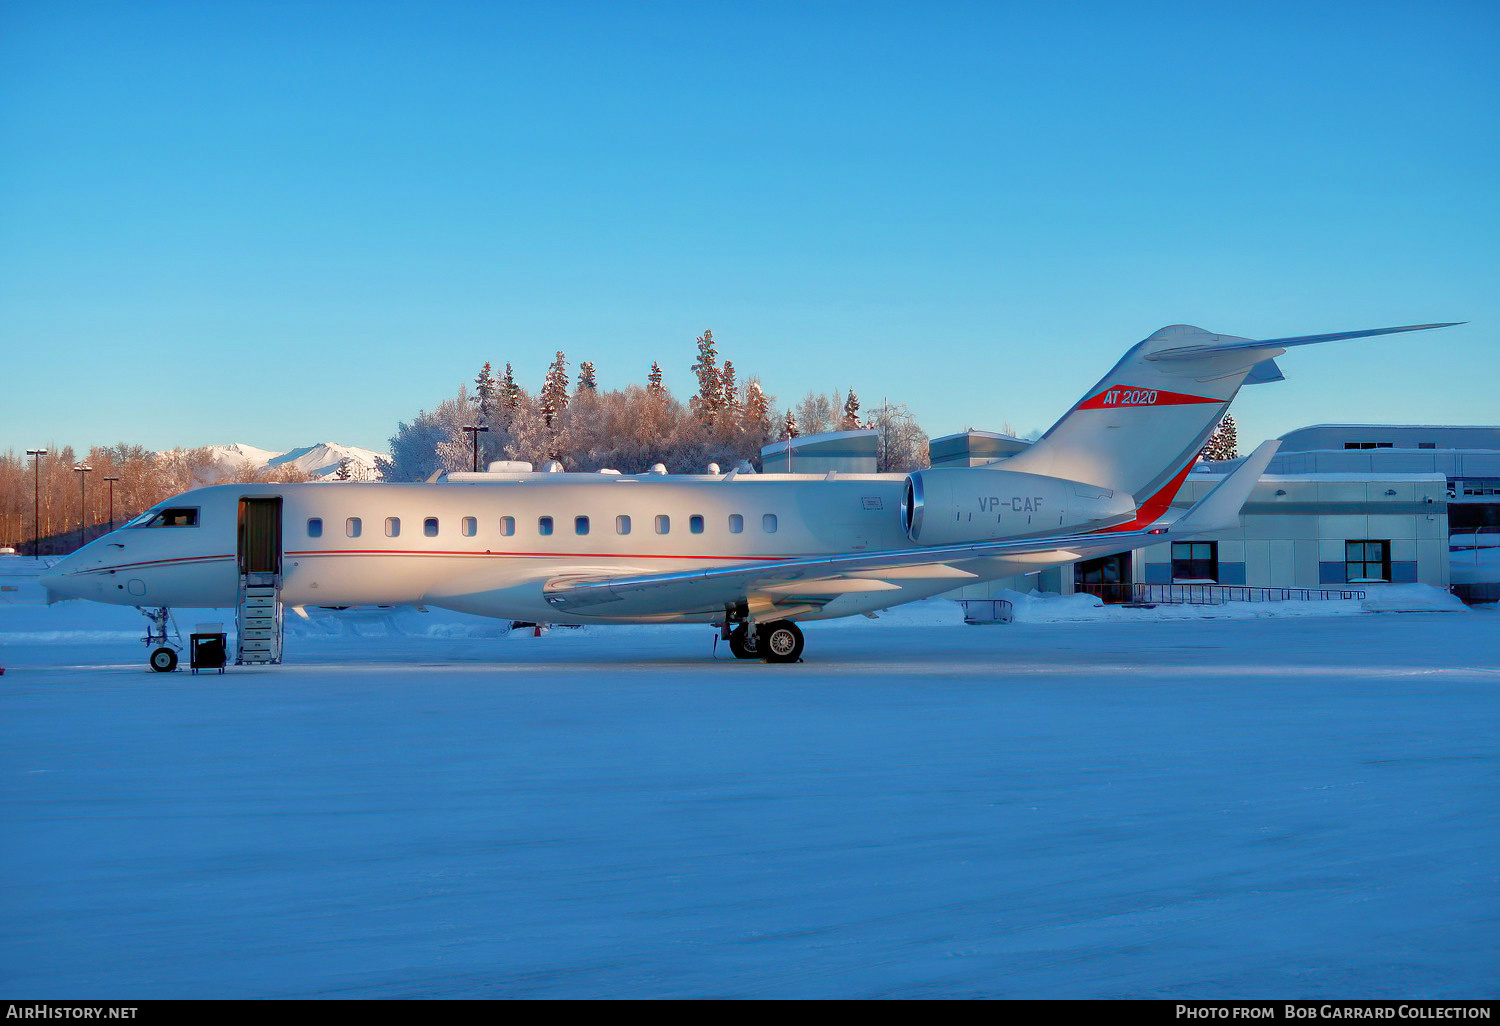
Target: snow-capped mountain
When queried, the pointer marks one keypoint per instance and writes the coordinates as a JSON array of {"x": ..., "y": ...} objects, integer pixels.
[{"x": 317, "y": 461}]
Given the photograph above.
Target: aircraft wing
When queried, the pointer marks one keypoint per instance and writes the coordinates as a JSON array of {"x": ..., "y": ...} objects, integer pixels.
[{"x": 815, "y": 580}]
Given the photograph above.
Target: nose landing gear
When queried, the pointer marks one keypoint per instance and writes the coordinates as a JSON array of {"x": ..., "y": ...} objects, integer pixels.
[{"x": 163, "y": 657}]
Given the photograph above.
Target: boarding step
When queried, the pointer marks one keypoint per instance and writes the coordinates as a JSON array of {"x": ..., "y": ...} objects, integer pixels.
[{"x": 259, "y": 622}]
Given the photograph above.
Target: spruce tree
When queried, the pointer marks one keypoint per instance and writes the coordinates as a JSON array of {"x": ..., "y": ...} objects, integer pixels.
[
  {"x": 1223, "y": 443},
  {"x": 654, "y": 378},
  {"x": 555, "y": 389},
  {"x": 757, "y": 410},
  {"x": 484, "y": 397},
  {"x": 709, "y": 399},
  {"x": 850, "y": 421},
  {"x": 789, "y": 426},
  {"x": 586, "y": 382},
  {"x": 509, "y": 396}
]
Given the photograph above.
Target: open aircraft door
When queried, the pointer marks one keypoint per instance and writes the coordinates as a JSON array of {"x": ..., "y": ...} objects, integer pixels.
[{"x": 258, "y": 617}]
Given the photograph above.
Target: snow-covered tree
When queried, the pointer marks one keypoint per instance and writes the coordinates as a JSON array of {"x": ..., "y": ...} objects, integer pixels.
[
  {"x": 485, "y": 395},
  {"x": 429, "y": 442},
  {"x": 509, "y": 395},
  {"x": 816, "y": 412},
  {"x": 789, "y": 427},
  {"x": 654, "y": 379},
  {"x": 555, "y": 389},
  {"x": 710, "y": 398},
  {"x": 850, "y": 419},
  {"x": 902, "y": 445},
  {"x": 756, "y": 416},
  {"x": 344, "y": 473},
  {"x": 586, "y": 381},
  {"x": 1223, "y": 444}
]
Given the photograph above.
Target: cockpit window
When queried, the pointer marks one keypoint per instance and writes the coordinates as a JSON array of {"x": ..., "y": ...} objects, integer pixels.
[{"x": 172, "y": 516}]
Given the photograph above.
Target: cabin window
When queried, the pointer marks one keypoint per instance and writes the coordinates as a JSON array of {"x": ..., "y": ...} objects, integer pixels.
[
  {"x": 507, "y": 526},
  {"x": 768, "y": 523},
  {"x": 663, "y": 524},
  {"x": 622, "y": 525},
  {"x": 315, "y": 527},
  {"x": 429, "y": 527},
  {"x": 695, "y": 524},
  {"x": 352, "y": 527},
  {"x": 393, "y": 527},
  {"x": 469, "y": 527},
  {"x": 580, "y": 525},
  {"x": 544, "y": 525},
  {"x": 736, "y": 523}
]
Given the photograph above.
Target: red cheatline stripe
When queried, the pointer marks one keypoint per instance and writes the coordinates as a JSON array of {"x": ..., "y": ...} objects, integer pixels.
[
  {"x": 520, "y": 555},
  {"x": 150, "y": 562},
  {"x": 1151, "y": 510}
]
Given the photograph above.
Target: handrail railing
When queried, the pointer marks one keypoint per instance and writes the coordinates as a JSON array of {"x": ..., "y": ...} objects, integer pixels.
[{"x": 1211, "y": 594}]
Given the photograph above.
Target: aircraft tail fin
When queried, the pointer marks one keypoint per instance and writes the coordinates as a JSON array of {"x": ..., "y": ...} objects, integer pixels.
[{"x": 1141, "y": 427}]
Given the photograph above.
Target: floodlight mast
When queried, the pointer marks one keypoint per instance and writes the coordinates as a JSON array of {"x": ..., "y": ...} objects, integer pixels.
[
  {"x": 83, "y": 470},
  {"x": 111, "y": 481},
  {"x": 473, "y": 430},
  {"x": 36, "y": 502}
]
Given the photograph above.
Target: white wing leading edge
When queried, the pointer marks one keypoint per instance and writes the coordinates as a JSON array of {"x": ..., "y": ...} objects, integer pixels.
[{"x": 813, "y": 580}]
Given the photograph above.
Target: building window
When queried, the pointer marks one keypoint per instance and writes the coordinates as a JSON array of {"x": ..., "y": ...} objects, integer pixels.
[
  {"x": 663, "y": 524},
  {"x": 469, "y": 527},
  {"x": 507, "y": 526},
  {"x": 429, "y": 527},
  {"x": 393, "y": 527},
  {"x": 695, "y": 524},
  {"x": 1369, "y": 445},
  {"x": 768, "y": 523},
  {"x": 544, "y": 525},
  {"x": 1426, "y": 445},
  {"x": 352, "y": 527},
  {"x": 580, "y": 525},
  {"x": 736, "y": 523},
  {"x": 622, "y": 525},
  {"x": 1195, "y": 561},
  {"x": 315, "y": 527},
  {"x": 1367, "y": 561}
]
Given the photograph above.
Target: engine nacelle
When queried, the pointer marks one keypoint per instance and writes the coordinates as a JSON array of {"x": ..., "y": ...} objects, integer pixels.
[{"x": 945, "y": 506}]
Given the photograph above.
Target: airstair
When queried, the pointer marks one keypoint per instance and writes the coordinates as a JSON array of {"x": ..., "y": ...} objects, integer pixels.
[
  {"x": 258, "y": 615},
  {"x": 258, "y": 620}
]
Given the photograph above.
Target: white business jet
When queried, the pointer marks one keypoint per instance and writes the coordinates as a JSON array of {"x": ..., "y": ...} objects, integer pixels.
[{"x": 752, "y": 554}]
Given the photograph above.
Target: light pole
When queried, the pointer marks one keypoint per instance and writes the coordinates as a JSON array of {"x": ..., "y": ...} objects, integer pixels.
[
  {"x": 473, "y": 430},
  {"x": 83, "y": 470},
  {"x": 36, "y": 502},
  {"x": 112, "y": 481}
]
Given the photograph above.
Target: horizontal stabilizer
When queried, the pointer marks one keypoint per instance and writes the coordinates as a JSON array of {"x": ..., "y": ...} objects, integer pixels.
[
  {"x": 1264, "y": 373},
  {"x": 1239, "y": 344}
]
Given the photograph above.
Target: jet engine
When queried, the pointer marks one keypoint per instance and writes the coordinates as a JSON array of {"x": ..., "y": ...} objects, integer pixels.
[{"x": 951, "y": 505}]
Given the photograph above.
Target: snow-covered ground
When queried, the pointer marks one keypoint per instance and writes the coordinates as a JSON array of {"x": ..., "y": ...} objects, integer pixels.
[{"x": 427, "y": 805}]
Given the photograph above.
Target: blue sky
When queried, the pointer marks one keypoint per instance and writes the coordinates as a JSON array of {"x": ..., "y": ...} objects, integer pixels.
[{"x": 279, "y": 223}]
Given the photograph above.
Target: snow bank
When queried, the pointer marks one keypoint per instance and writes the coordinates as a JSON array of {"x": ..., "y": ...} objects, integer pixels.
[{"x": 1048, "y": 607}]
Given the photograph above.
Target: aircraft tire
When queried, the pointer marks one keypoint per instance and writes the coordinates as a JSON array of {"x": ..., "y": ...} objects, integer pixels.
[
  {"x": 163, "y": 660},
  {"x": 743, "y": 643},
  {"x": 781, "y": 642}
]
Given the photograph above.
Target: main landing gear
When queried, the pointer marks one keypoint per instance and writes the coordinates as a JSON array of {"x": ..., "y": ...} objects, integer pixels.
[
  {"x": 777, "y": 642},
  {"x": 163, "y": 657}
]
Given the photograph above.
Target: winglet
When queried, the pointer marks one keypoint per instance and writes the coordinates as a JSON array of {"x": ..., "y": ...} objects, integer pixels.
[{"x": 1220, "y": 508}]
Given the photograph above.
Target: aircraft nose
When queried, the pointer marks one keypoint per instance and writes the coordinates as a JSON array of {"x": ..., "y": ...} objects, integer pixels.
[{"x": 58, "y": 582}]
